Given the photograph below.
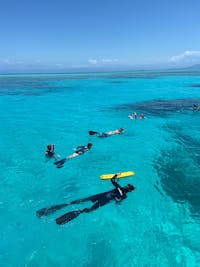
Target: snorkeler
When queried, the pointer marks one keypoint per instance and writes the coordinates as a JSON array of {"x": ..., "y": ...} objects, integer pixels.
[
  {"x": 106, "y": 134},
  {"x": 99, "y": 200},
  {"x": 133, "y": 116},
  {"x": 79, "y": 151},
  {"x": 142, "y": 117},
  {"x": 50, "y": 153}
]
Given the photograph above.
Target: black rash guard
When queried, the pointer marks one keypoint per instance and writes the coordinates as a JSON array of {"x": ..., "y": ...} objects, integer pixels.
[
  {"x": 50, "y": 153},
  {"x": 81, "y": 149},
  {"x": 102, "y": 199}
]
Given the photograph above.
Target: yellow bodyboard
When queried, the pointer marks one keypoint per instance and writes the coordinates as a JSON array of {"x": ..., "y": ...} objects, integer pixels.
[{"x": 119, "y": 176}]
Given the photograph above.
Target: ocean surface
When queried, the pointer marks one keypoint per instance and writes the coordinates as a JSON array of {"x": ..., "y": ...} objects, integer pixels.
[{"x": 157, "y": 225}]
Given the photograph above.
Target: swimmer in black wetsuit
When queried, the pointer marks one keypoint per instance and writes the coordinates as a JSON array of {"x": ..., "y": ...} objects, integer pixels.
[
  {"x": 117, "y": 194},
  {"x": 79, "y": 151},
  {"x": 99, "y": 200}
]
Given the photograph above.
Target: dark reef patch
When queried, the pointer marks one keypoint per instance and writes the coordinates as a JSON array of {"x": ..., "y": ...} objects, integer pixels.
[
  {"x": 185, "y": 141},
  {"x": 160, "y": 107},
  {"x": 33, "y": 91},
  {"x": 194, "y": 85},
  {"x": 179, "y": 179},
  {"x": 117, "y": 82},
  {"x": 33, "y": 85},
  {"x": 179, "y": 170}
]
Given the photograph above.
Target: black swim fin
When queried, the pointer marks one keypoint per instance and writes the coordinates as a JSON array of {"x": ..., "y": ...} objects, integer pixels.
[
  {"x": 67, "y": 217},
  {"x": 49, "y": 210},
  {"x": 60, "y": 162},
  {"x": 93, "y": 133}
]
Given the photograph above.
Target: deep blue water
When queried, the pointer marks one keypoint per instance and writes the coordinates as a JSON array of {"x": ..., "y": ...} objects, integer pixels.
[{"x": 157, "y": 225}]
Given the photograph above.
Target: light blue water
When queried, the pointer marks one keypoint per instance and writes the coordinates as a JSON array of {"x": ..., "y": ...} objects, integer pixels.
[{"x": 157, "y": 225}]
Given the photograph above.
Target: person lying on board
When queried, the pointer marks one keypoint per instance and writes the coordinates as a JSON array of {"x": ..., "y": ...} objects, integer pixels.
[
  {"x": 80, "y": 150},
  {"x": 118, "y": 194},
  {"x": 106, "y": 134}
]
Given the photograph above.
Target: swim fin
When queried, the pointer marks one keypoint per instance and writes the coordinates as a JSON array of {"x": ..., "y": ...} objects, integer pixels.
[
  {"x": 49, "y": 210},
  {"x": 93, "y": 133},
  {"x": 60, "y": 163},
  {"x": 67, "y": 217}
]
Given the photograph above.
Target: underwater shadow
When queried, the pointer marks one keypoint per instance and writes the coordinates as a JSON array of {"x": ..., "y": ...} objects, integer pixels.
[{"x": 178, "y": 170}]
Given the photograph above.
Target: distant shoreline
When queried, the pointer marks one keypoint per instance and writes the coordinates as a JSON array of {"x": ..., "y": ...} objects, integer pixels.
[{"x": 100, "y": 73}]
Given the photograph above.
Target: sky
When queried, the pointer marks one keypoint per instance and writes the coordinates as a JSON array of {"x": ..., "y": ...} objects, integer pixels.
[{"x": 61, "y": 35}]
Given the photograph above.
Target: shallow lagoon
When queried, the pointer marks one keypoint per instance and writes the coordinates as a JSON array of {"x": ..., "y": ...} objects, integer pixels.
[{"x": 157, "y": 225}]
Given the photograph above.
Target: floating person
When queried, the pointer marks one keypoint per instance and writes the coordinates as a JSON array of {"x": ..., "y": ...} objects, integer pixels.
[
  {"x": 79, "y": 151},
  {"x": 133, "y": 116},
  {"x": 107, "y": 134},
  {"x": 142, "y": 117},
  {"x": 196, "y": 107},
  {"x": 118, "y": 194},
  {"x": 50, "y": 153}
]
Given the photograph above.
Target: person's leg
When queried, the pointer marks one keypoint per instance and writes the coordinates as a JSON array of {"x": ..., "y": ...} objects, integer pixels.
[
  {"x": 94, "y": 207},
  {"x": 101, "y": 198},
  {"x": 74, "y": 155},
  {"x": 79, "y": 201}
]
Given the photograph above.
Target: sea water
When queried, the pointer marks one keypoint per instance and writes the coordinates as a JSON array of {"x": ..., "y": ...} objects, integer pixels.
[{"x": 158, "y": 223}]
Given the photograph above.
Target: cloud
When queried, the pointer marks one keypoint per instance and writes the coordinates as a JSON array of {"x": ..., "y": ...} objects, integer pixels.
[
  {"x": 7, "y": 61},
  {"x": 186, "y": 56},
  {"x": 102, "y": 61},
  {"x": 59, "y": 65},
  {"x": 108, "y": 60},
  {"x": 93, "y": 61}
]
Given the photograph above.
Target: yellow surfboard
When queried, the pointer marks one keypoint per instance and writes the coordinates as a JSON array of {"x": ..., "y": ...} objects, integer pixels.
[{"x": 119, "y": 176}]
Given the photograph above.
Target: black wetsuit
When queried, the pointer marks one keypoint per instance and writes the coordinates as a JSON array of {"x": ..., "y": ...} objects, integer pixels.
[
  {"x": 50, "y": 153},
  {"x": 102, "y": 199},
  {"x": 81, "y": 149}
]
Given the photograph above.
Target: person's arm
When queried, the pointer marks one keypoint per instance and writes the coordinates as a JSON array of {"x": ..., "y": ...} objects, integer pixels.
[
  {"x": 122, "y": 194},
  {"x": 56, "y": 156},
  {"x": 115, "y": 183}
]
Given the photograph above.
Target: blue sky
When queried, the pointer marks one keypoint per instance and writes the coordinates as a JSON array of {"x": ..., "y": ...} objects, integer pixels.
[{"x": 98, "y": 34}]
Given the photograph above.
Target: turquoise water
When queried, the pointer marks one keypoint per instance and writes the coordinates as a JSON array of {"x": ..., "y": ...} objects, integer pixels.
[{"x": 157, "y": 225}]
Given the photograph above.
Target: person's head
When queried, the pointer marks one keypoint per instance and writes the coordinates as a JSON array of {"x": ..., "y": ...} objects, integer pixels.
[
  {"x": 121, "y": 130},
  {"x": 142, "y": 115},
  {"x": 128, "y": 188},
  {"x": 89, "y": 145},
  {"x": 50, "y": 147}
]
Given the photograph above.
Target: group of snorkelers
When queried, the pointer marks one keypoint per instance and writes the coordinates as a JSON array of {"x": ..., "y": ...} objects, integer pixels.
[
  {"x": 134, "y": 116},
  {"x": 118, "y": 193},
  {"x": 79, "y": 150}
]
